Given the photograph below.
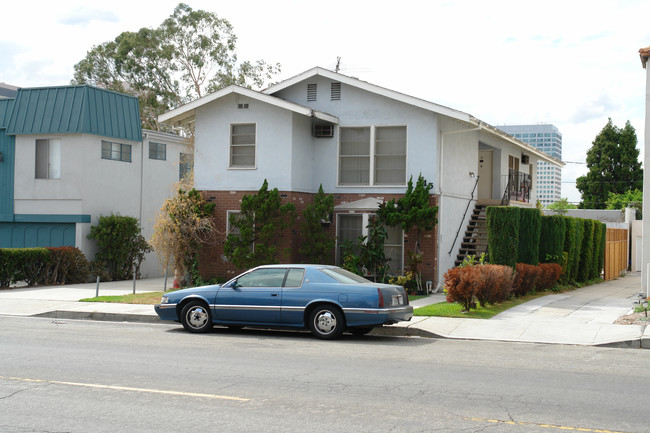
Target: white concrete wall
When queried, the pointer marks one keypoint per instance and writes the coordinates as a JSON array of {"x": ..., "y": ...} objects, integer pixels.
[
  {"x": 360, "y": 108},
  {"x": 274, "y": 132},
  {"x": 95, "y": 186}
]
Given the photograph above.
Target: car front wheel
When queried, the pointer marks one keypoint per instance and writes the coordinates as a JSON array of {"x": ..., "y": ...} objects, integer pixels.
[
  {"x": 195, "y": 317},
  {"x": 326, "y": 322}
]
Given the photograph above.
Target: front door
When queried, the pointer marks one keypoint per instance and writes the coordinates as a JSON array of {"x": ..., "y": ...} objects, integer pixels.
[{"x": 485, "y": 174}]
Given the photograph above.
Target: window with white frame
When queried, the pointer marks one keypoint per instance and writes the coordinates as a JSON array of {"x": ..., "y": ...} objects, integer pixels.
[
  {"x": 230, "y": 228},
  {"x": 242, "y": 145},
  {"x": 373, "y": 155},
  {"x": 116, "y": 151},
  {"x": 157, "y": 151},
  {"x": 48, "y": 158},
  {"x": 350, "y": 227}
]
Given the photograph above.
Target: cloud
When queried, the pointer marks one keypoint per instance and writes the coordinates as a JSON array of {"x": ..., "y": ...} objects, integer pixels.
[
  {"x": 595, "y": 108},
  {"x": 83, "y": 16}
]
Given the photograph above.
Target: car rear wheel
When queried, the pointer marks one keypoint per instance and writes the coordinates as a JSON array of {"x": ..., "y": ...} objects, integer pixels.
[
  {"x": 326, "y": 322},
  {"x": 195, "y": 317}
]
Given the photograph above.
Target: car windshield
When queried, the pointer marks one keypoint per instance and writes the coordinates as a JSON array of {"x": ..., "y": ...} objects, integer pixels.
[{"x": 343, "y": 276}]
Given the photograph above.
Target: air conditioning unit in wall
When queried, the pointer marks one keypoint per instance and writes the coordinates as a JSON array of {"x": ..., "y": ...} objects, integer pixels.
[{"x": 323, "y": 131}]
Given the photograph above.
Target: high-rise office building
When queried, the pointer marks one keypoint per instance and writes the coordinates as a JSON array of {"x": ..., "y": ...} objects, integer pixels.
[{"x": 548, "y": 139}]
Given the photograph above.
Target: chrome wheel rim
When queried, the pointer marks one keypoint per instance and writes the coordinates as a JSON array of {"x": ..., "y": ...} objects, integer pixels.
[
  {"x": 197, "y": 317},
  {"x": 325, "y": 322}
]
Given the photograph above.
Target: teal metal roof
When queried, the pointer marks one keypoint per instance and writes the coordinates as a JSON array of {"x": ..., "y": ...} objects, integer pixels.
[
  {"x": 75, "y": 109},
  {"x": 6, "y": 105}
]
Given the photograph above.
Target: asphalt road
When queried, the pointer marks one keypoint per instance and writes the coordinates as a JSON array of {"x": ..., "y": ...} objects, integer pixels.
[{"x": 82, "y": 376}]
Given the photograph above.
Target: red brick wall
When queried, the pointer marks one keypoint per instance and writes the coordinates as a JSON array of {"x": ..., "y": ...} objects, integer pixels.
[{"x": 213, "y": 263}]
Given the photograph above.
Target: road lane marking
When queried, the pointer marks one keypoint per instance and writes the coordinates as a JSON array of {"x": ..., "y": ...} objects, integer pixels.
[
  {"x": 548, "y": 426},
  {"x": 127, "y": 388}
]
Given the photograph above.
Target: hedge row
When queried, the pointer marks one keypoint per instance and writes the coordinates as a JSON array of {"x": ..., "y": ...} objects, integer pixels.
[
  {"x": 61, "y": 265},
  {"x": 492, "y": 284},
  {"x": 522, "y": 235}
]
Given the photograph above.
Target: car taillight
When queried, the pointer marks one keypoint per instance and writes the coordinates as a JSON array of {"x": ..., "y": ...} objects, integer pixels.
[{"x": 380, "y": 296}]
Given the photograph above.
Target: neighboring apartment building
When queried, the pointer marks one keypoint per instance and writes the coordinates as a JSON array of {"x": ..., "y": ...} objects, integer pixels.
[
  {"x": 70, "y": 154},
  {"x": 360, "y": 141},
  {"x": 548, "y": 139}
]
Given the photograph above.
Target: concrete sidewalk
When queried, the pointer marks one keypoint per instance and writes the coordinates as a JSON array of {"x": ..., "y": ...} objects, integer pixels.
[{"x": 581, "y": 317}]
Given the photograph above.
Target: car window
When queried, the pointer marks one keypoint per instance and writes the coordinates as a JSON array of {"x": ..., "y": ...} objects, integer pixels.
[
  {"x": 343, "y": 276},
  {"x": 294, "y": 277},
  {"x": 267, "y": 277}
]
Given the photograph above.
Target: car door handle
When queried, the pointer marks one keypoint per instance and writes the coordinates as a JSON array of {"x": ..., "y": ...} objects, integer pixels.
[{"x": 274, "y": 294}]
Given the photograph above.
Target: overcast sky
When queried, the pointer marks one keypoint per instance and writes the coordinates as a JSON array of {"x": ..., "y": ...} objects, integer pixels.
[{"x": 572, "y": 63}]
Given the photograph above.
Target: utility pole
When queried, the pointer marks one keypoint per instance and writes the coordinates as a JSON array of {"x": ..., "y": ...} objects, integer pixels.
[{"x": 338, "y": 65}]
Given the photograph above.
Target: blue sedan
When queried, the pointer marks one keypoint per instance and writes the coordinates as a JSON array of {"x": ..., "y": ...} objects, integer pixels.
[{"x": 327, "y": 300}]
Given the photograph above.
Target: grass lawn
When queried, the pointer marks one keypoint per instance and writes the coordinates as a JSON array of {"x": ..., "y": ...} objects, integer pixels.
[
  {"x": 151, "y": 298},
  {"x": 446, "y": 309}
]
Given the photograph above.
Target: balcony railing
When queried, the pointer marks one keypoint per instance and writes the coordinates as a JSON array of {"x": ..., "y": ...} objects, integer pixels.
[{"x": 517, "y": 187}]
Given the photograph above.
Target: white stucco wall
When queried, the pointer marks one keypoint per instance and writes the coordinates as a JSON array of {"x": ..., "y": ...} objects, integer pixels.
[
  {"x": 273, "y": 145},
  {"x": 358, "y": 107},
  {"x": 90, "y": 185}
]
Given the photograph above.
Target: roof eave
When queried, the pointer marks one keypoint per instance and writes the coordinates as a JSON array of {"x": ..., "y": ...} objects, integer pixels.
[{"x": 185, "y": 114}]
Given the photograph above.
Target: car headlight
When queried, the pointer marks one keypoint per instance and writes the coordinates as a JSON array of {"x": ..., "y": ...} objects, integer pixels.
[{"x": 164, "y": 300}]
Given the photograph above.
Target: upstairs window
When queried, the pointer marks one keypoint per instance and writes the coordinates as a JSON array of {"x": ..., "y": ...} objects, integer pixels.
[
  {"x": 242, "y": 145},
  {"x": 48, "y": 158},
  {"x": 157, "y": 151},
  {"x": 372, "y": 156},
  {"x": 116, "y": 151}
]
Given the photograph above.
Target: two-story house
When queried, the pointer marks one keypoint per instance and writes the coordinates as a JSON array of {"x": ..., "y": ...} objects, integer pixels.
[
  {"x": 70, "y": 154},
  {"x": 362, "y": 142}
]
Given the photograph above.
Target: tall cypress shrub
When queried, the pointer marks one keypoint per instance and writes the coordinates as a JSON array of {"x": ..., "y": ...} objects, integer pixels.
[
  {"x": 577, "y": 255},
  {"x": 551, "y": 244},
  {"x": 503, "y": 235},
  {"x": 587, "y": 250},
  {"x": 530, "y": 228},
  {"x": 595, "y": 265},
  {"x": 570, "y": 244}
]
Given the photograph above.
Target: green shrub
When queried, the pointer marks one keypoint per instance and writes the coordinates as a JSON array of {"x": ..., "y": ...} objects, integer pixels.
[
  {"x": 551, "y": 243},
  {"x": 503, "y": 235},
  {"x": 579, "y": 239},
  {"x": 121, "y": 245},
  {"x": 595, "y": 262},
  {"x": 67, "y": 265},
  {"x": 22, "y": 264},
  {"x": 587, "y": 250},
  {"x": 530, "y": 228},
  {"x": 570, "y": 245}
]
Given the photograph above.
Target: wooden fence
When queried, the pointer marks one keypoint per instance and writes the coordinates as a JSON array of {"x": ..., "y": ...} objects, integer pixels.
[{"x": 616, "y": 253}]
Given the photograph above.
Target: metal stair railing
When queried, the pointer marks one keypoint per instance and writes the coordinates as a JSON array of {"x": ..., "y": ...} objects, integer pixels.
[{"x": 464, "y": 215}]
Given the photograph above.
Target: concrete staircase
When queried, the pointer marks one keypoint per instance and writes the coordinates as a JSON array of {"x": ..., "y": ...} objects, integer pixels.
[{"x": 475, "y": 240}]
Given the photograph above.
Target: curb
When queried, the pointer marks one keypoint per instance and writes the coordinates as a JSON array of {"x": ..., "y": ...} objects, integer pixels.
[
  {"x": 388, "y": 331},
  {"x": 98, "y": 316}
]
